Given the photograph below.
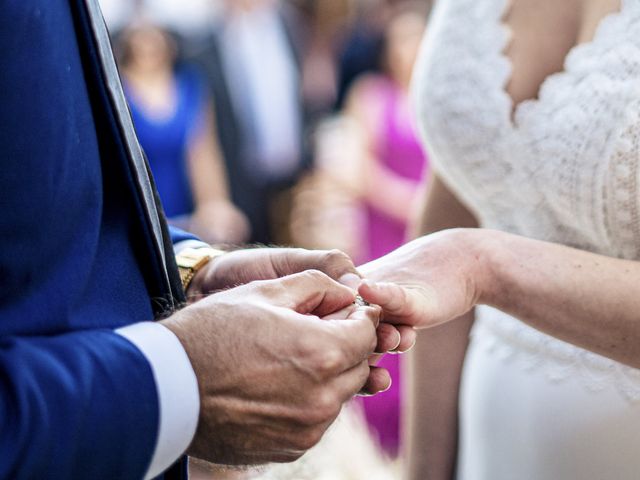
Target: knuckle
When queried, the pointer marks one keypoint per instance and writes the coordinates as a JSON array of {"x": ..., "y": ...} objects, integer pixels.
[
  {"x": 308, "y": 438},
  {"x": 337, "y": 259},
  {"x": 369, "y": 336},
  {"x": 306, "y": 348},
  {"x": 267, "y": 287},
  {"x": 337, "y": 256},
  {"x": 328, "y": 361},
  {"x": 308, "y": 417},
  {"x": 314, "y": 275},
  {"x": 373, "y": 314},
  {"x": 326, "y": 406},
  {"x": 320, "y": 352}
]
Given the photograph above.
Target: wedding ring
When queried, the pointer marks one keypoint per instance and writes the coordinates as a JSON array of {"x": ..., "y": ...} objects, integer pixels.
[{"x": 361, "y": 302}]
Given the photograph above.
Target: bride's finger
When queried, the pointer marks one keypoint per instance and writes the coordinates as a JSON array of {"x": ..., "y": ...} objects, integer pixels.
[
  {"x": 408, "y": 337},
  {"x": 389, "y": 338},
  {"x": 414, "y": 306},
  {"x": 390, "y": 297},
  {"x": 379, "y": 381}
]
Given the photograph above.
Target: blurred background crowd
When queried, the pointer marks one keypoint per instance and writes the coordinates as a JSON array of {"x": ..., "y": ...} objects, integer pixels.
[{"x": 289, "y": 123}]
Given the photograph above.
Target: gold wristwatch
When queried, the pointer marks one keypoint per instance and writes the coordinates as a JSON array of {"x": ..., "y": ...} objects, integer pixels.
[{"x": 191, "y": 260}]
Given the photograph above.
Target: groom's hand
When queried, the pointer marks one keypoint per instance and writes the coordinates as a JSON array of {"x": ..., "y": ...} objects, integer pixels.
[
  {"x": 273, "y": 374},
  {"x": 244, "y": 266}
]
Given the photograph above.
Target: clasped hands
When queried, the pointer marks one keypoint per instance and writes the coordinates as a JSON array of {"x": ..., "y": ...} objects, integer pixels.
[{"x": 280, "y": 345}]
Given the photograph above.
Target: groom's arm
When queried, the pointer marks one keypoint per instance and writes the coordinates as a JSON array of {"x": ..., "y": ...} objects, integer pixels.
[{"x": 76, "y": 405}]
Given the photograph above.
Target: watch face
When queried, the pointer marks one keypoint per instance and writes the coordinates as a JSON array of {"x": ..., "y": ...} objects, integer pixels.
[{"x": 190, "y": 260}]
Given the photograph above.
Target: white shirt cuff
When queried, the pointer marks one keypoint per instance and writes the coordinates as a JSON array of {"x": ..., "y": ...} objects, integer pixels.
[
  {"x": 177, "y": 388},
  {"x": 178, "y": 247}
]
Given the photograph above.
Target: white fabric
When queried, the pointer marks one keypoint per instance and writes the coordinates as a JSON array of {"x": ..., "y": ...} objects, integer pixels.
[
  {"x": 189, "y": 17},
  {"x": 177, "y": 388},
  {"x": 184, "y": 244},
  {"x": 566, "y": 170},
  {"x": 263, "y": 81}
]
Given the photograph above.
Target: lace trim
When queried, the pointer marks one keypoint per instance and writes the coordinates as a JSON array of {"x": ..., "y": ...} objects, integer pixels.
[
  {"x": 607, "y": 28},
  {"x": 511, "y": 340}
]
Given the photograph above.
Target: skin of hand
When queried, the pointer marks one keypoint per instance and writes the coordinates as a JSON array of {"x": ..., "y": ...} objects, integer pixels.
[
  {"x": 244, "y": 266},
  {"x": 426, "y": 282},
  {"x": 220, "y": 222},
  {"x": 580, "y": 297},
  {"x": 272, "y": 373}
]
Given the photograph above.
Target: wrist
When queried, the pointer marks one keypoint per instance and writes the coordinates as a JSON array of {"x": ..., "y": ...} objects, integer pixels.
[
  {"x": 223, "y": 272},
  {"x": 488, "y": 248},
  {"x": 193, "y": 264}
]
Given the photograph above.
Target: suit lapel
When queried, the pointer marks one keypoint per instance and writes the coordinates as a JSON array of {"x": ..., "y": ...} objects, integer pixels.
[{"x": 135, "y": 155}]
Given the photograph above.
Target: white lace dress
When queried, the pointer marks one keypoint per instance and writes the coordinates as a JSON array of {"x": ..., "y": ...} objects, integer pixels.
[{"x": 565, "y": 169}]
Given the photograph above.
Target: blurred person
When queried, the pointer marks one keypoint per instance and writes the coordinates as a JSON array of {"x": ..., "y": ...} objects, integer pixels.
[
  {"x": 253, "y": 68},
  {"x": 326, "y": 214},
  {"x": 118, "y": 13},
  {"x": 174, "y": 122},
  {"x": 359, "y": 52},
  {"x": 91, "y": 386},
  {"x": 391, "y": 160},
  {"x": 190, "y": 18},
  {"x": 531, "y": 114},
  {"x": 391, "y": 163},
  {"x": 323, "y": 24}
]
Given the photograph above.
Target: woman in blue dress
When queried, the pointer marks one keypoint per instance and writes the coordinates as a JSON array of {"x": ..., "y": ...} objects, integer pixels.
[{"x": 173, "y": 118}]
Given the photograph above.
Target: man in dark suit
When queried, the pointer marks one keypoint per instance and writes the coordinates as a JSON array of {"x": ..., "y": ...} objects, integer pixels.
[
  {"x": 89, "y": 386},
  {"x": 252, "y": 59}
]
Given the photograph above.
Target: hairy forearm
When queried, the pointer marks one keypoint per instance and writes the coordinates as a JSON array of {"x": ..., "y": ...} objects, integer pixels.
[{"x": 589, "y": 300}]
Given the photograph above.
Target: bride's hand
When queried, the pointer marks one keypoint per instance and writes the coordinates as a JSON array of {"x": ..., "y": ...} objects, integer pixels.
[{"x": 428, "y": 281}]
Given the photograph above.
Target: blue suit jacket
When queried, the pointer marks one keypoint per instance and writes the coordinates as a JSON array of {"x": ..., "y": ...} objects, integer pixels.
[{"x": 78, "y": 258}]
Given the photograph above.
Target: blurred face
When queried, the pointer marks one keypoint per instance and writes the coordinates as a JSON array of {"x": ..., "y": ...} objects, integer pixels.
[
  {"x": 150, "y": 49},
  {"x": 246, "y": 5},
  {"x": 404, "y": 36}
]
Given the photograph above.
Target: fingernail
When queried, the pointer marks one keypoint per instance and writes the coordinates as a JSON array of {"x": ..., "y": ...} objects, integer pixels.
[
  {"x": 397, "y": 343},
  {"x": 396, "y": 352},
  {"x": 367, "y": 282},
  {"x": 350, "y": 280},
  {"x": 410, "y": 347},
  {"x": 388, "y": 386},
  {"x": 374, "y": 285}
]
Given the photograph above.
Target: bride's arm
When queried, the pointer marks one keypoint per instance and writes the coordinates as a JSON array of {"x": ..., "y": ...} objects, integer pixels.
[
  {"x": 589, "y": 300},
  {"x": 432, "y": 417}
]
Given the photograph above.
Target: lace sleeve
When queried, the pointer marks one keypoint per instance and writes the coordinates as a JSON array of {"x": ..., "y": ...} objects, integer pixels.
[{"x": 622, "y": 188}]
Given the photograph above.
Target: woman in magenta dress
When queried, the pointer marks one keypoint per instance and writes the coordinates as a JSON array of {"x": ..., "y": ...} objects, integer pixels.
[{"x": 392, "y": 166}]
